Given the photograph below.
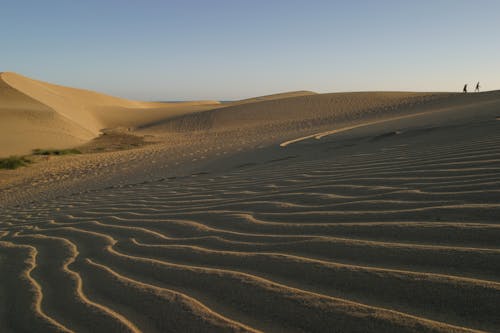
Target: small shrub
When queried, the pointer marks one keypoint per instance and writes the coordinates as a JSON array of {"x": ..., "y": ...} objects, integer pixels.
[
  {"x": 13, "y": 162},
  {"x": 56, "y": 152}
]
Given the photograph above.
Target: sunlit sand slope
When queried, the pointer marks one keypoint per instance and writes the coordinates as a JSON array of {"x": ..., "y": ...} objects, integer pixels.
[
  {"x": 298, "y": 112},
  {"x": 391, "y": 227},
  {"x": 24, "y": 120},
  {"x": 36, "y": 114}
]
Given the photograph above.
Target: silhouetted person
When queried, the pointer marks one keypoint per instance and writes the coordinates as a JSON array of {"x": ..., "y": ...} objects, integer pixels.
[
  {"x": 465, "y": 88},
  {"x": 477, "y": 87}
]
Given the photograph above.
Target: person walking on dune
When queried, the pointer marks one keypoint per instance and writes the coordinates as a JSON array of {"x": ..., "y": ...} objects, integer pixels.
[
  {"x": 465, "y": 89},
  {"x": 477, "y": 87}
]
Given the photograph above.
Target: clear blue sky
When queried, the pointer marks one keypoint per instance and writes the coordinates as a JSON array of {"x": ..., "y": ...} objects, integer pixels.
[{"x": 228, "y": 49}]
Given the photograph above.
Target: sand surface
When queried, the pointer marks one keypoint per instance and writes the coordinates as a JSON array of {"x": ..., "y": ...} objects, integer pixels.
[{"x": 300, "y": 212}]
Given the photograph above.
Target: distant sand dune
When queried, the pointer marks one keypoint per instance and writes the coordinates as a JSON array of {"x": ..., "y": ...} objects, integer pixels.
[
  {"x": 36, "y": 114},
  {"x": 272, "y": 97},
  {"x": 296, "y": 112}
]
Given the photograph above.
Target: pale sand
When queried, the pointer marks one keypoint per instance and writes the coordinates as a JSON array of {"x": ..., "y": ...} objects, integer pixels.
[{"x": 297, "y": 212}]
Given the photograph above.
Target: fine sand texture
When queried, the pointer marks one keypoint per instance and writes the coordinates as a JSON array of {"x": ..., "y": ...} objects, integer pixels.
[{"x": 300, "y": 212}]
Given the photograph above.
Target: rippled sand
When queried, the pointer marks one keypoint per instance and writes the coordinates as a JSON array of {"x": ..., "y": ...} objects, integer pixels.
[{"x": 388, "y": 227}]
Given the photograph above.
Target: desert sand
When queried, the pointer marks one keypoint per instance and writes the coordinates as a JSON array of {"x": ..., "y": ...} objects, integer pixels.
[{"x": 293, "y": 212}]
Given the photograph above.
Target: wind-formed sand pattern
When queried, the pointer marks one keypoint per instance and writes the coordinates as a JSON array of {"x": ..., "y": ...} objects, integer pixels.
[{"x": 391, "y": 227}]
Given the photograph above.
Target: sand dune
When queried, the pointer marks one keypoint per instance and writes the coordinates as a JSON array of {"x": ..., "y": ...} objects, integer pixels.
[
  {"x": 296, "y": 112},
  {"x": 27, "y": 123},
  {"x": 272, "y": 97},
  {"x": 294, "y": 213},
  {"x": 36, "y": 114}
]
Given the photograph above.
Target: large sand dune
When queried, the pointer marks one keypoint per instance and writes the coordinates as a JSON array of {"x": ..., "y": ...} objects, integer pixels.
[
  {"x": 360, "y": 212},
  {"x": 36, "y": 114},
  {"x": 297, "y": 112}
]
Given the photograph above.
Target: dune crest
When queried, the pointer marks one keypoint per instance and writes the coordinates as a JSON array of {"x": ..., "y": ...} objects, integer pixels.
[{"x": 271, "y": 97}]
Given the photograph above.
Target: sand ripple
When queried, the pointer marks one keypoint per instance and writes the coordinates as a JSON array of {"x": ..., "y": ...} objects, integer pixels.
[{"x": 397, "y": 241}]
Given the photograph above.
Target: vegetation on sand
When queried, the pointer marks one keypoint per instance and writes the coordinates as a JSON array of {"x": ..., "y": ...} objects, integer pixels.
[
  {"x": 13, "y": 162},
  {"x": 56, "y": 151}
]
